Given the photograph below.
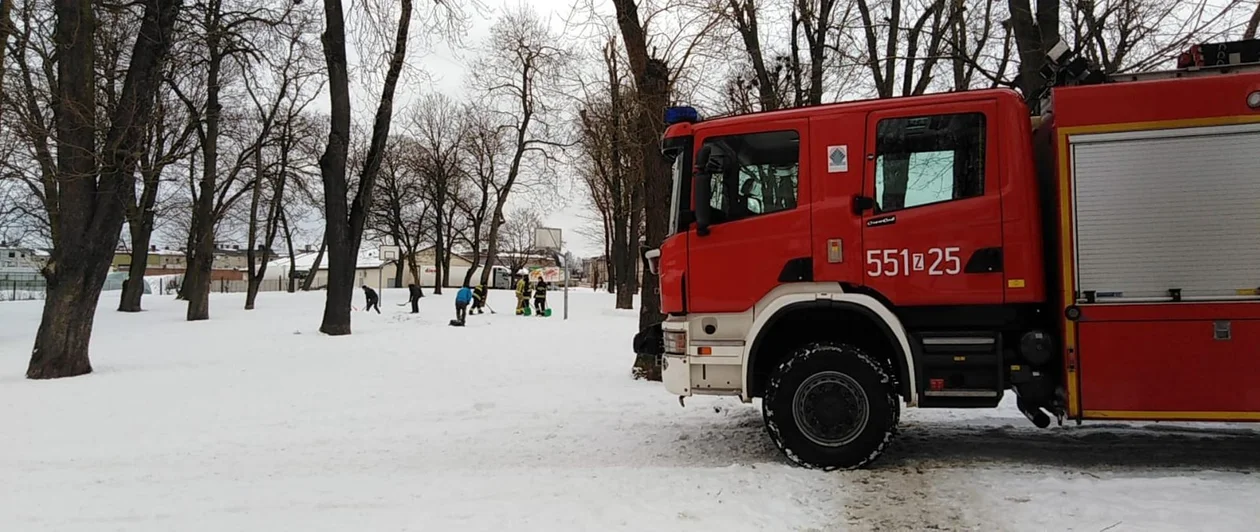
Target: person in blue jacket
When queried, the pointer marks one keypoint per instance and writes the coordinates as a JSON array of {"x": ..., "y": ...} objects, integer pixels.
[{"x": 462, "y": 299}]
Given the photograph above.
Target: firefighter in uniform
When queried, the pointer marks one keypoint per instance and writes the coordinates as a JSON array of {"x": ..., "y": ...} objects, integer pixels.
[
  {"x": 540, "y": 298},
  {"x": 522, "y": 296},
  {"x": 479, "y": 299}
]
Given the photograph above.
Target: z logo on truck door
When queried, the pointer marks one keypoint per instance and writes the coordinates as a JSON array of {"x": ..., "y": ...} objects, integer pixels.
[{"x": 894, "y": 262}]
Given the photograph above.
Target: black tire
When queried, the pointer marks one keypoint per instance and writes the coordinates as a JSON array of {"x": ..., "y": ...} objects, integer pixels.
[{"x": 816, "y": 379}]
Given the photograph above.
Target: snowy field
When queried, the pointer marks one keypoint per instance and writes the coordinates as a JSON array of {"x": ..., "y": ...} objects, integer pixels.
[{"x": 255, "y": 421}]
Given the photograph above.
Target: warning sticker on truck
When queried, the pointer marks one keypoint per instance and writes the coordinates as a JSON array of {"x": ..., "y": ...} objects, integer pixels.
[{"x": 837, "y": 159}]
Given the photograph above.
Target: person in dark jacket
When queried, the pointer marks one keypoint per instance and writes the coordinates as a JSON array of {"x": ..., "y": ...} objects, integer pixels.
[
  {"x": 415, "y": 298},
  {"x": 373, "y": 300},
  {"x": 540, "y": 298},
  {"x": 479, "y": 299}
]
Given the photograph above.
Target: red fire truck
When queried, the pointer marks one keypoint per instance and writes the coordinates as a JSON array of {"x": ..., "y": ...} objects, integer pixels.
[{"x": 1101, "y": 260}]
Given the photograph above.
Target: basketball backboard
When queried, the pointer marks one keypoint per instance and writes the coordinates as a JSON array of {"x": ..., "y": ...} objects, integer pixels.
[{"x": 547, "y": 239}]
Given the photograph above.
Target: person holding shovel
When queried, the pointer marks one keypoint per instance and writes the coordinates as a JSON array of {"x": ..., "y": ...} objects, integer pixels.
[
  {"x": 479, "y": 299},
  {"x": 540, "y": 298},
  {"x": 462, "y": 299}
]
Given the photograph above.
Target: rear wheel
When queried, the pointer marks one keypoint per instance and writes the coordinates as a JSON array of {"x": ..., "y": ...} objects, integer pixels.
[{"x": 830, "y": 406}]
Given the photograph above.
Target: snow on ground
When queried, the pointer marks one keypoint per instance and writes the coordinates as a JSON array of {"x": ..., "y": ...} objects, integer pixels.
[{"x": 255, "y": 421}]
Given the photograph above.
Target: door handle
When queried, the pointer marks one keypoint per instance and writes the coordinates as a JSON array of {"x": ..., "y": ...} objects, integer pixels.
[{"x": 862, "y": 204}]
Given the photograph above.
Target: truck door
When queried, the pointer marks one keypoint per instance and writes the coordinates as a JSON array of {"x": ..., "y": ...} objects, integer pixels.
[
  {"x": 760, "y": 230},
  {"x": 931, "y": 209}
]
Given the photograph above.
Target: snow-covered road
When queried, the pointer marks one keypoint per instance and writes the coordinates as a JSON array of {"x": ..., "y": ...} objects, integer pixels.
[{"x": 255, "y": 421}]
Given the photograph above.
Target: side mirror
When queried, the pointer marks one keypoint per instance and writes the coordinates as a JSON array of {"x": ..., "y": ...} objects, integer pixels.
[{"x": 704, "y": 190}]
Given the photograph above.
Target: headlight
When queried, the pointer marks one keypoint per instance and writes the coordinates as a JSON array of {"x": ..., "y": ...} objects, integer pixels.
[{"x": 675, "y": 343}]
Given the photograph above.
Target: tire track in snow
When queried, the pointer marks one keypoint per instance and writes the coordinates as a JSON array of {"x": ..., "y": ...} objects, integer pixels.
[
  {"x": 928, "y": 479},
  {"x": 909, "y": 498}
]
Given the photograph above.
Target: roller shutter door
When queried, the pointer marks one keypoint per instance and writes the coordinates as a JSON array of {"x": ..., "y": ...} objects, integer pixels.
[{"x": 1167, "y": 209}]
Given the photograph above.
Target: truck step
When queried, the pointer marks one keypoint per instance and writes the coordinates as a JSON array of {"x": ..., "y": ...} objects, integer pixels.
[{"x": 961, "y": 368}]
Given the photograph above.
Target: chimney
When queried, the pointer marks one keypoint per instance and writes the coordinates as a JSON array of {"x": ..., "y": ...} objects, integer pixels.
[
  {"x": 152, "y": 248},
  {"x": 236, "y": 247},
  {"x": 308, "y": 248}
]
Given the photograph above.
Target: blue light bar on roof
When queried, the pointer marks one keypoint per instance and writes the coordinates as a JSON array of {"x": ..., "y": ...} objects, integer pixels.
[{"x": 675, "y": 115}]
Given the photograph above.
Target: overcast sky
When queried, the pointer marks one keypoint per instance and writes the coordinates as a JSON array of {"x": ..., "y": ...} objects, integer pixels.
[{"x": 446, "y": 67}]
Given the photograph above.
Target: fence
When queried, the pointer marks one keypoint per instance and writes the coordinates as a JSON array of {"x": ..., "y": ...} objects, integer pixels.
[
  {"x": 36, "y": 289},
  {"x": 22, "y": 290}
]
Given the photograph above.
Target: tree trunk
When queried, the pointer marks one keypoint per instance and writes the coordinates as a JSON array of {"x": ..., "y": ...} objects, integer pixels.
[
  {"x": 92, "y": 217},
  {"x": 340, "y": 290},
  {"x": 476, "y": 246},
  {"x": 472, "y": 266},
  {"x": 652, "y": 80},
  {"x": 608, "y": 257},
  {"x": 398, "y": 273},
  {"x": 133, "y": 289},
  {"x": 252, "y": 275},
  {"x": 438, "y": 249},
  {"x": 288, "y": 239},
  {"x": 140, "y": 225},
  {"x": 319, "y": 259},
  {"x": 415, "y": 270},
  {"x": 254, "y": 284},
  {"x": 61, "y": 343},
  {"x": 1035, "y": 34},
  {"x": 621, "y": 253},
  {"x": 1250, "y": 33},
  {"x": 197, "y": 291},
  {"x": 632, "y": 243},
  {"x": 6, "y": 28},
  {"x": 492, "y": 244},
  {"x": 344, "y": 223}
]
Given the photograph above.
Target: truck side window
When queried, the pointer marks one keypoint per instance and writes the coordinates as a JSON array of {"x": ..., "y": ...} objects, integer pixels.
[
  {"x": 929, "y": 159},
  {"x": 761, "y": 174}
]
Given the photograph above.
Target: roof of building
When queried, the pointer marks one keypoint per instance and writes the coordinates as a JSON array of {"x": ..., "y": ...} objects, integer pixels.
[{"x": 304, "y": 261}]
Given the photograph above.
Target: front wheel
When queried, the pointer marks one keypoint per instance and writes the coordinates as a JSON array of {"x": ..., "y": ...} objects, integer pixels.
[{"x": 830, "y": 406}]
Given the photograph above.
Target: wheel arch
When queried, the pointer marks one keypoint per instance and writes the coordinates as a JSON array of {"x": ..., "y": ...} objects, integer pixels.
[{"x": 888, "y": 328}]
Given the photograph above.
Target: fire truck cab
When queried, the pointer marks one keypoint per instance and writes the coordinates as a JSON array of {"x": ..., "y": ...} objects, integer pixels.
[{"x": 1100, "y": 260}]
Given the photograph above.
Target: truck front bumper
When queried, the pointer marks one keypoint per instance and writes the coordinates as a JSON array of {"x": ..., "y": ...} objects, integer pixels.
[{"x": 690, "y": 369}]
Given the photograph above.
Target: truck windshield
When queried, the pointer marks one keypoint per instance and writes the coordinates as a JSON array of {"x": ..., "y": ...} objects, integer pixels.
[
  {"x": 675, "y": 194},
  {"x": 677, "y": 150}
]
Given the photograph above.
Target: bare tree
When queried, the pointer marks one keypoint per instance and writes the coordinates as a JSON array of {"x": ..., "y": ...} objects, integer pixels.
[
  {"x": 814, "y": 18},
  {"x": 910, "y": 45},
  {"x": 651, "y": 80},
  {"x": 295, "y": 84},
  {"x": 84, "y": 161},
  {"x": 6, "y": 28},
  {"x": 309, "y": 281},
  {"x": 165, "y": 142},
  {"x": 399, "y": 208},
  {"x": 345, "y": 217},
  {"x": 437, "y": 135},
  {"x": 981, "y": 41},
  {"x": 1250, "y": 33},
  {"x": 521, "y": 66},
  {"x": 611, "y": 177},
  {"x": 227, "y": 35},
  {"x": 1035, "y": 34},
  {"x": 518, "y": 238},
  {"x": 484, "y": 146},
  {"x": 1130, "y": 36}
]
